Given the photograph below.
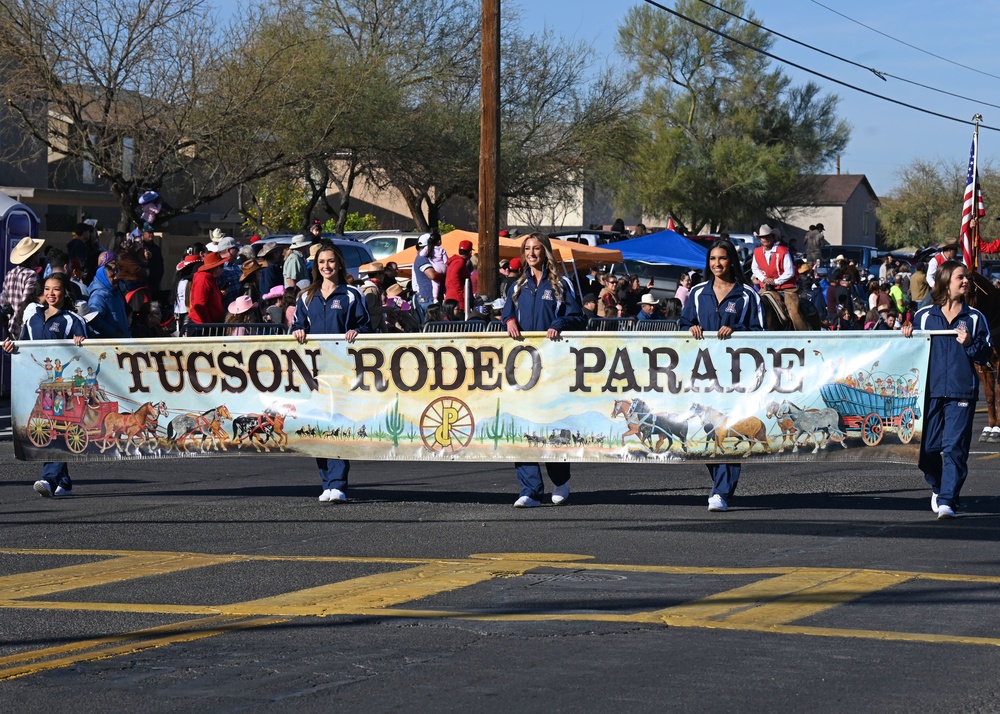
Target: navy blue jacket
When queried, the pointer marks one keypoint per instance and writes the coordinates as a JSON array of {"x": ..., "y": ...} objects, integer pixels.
[
  {"x": 344, "y": 310},
  {"x": 537, "y": 309},
  {"x": 740, "y": 309},
  {"x": 951, "y": 373},
  {"x": 64, "y": 325}
]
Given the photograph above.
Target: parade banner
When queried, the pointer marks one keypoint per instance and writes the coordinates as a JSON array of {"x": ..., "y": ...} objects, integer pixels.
[{"x": 655, "y": 397}]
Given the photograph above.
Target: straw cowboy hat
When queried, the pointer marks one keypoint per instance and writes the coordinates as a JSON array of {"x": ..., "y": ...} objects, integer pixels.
[
  {"x": 267, "y": 248},
  {"x": 25, "y": 248}
]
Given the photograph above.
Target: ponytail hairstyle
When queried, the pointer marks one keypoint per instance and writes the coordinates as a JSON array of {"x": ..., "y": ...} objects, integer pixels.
[{"x": 551, "y": 267}]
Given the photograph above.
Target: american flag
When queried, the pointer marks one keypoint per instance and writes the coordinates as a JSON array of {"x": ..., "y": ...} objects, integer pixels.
[{"x": 973, "y": 195}]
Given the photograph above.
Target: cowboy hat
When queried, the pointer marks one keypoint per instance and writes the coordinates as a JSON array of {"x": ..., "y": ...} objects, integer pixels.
[
  {"x": 267, "y": 248},
  {"x": 276, "y": 292},
  {"x": 25, "y": 248},
  {"x": 394, "y": 290},
  {"x": 301, "y": 241},
  {"x": 375, "y": 268},
  {"x": 648, "y": 299},
  {"x": 212, "y": 261},
  {"x": 314, "y": 250},
  {"x": 951, "y": 245},
  {"x": 188, "y": 260},
  {"x": 765, "y": 230},
  {"x": 241, "y": 305},
  {"x": 249, "y": 268},
  {"x": 216, "y": 235}
]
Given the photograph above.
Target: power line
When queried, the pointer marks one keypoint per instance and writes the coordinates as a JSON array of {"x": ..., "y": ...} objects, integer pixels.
[
  {"x": 878, "y": 73},
  {"x": 814, "y": 72},
  {"x": 903, "y": 42}
]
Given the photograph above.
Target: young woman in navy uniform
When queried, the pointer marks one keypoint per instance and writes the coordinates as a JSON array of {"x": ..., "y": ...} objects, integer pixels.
[
  {"x": 541, "y": 301},
  {"x": 952, "y": 384},
  {"x": 723, "y": 304},
  {"x": 330, "y": 307}
]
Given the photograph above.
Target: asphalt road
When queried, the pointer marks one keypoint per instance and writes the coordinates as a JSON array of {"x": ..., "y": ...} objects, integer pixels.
[{"x": 221, "y": 585}]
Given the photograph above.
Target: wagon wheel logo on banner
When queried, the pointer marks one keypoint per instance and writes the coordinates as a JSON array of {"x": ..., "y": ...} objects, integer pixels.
[{"x": 447, "y": 425}]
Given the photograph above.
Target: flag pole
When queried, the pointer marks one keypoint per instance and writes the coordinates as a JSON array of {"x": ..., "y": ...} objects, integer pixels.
[{"x": 977, "y": 118}]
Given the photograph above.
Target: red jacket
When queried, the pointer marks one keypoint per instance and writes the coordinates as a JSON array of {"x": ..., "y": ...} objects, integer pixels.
[
  {"x": 456, "y": 273},
  {"x": 206, "y": 299}
]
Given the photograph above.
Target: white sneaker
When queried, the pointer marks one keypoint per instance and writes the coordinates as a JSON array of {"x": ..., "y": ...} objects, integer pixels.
[
  {"x": 42, "y": 488},
  {"x": 560, "y": 494},
  {"x": 332, "y": 495},
  {"x": 526, "y": 502},
  {"x": 945, "y": 512},
  {"x": 717, "y": 503},
  {"x": 934, "y": 506},
  {"x": 63, "y": 492}
]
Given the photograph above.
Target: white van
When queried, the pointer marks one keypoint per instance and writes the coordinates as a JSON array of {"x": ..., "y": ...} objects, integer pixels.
[{"x": 382, "y": 245}]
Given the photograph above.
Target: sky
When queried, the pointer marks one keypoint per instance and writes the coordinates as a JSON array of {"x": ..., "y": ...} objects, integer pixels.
[{"x": 885, "y": 137}]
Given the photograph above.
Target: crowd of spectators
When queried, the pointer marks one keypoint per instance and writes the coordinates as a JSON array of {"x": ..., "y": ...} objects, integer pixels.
[{"x": 124, "y": 290}]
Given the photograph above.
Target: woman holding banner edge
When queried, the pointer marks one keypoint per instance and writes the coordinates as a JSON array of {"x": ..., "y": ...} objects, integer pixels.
[
  {"x": 952, "y": 384},
  {"x": 330, "y": 307},
  {"x": 725, "y": 304},
  {"x": 541, "y": 301}
]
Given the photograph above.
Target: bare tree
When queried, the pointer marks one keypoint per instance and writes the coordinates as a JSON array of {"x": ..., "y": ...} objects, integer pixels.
[{"x": 151, "y": 95}]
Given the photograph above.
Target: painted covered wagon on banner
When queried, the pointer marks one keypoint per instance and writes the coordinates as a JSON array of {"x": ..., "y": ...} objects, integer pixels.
[{"x": 871, "y": 413}]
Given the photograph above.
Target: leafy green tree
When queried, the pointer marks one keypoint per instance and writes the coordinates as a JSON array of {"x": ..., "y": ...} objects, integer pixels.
[
  {"x": 925, "y": 207},
  {"x": 726, "y": 139}
]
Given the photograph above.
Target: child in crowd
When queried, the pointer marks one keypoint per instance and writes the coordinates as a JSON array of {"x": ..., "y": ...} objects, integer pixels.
[
  {"x": 274, "y": 312},
  {"x": 242, "y": 311}
]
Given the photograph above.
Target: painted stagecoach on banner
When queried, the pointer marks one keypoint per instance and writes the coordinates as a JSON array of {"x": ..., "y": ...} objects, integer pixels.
[{"x": 69, "y": 410}]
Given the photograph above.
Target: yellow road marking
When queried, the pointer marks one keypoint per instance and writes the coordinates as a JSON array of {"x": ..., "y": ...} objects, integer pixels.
[
  {"x": 782, "y": 596},
  {"x": 378, "y": 591},
  {"x": 114, "y": 646},
  {"x": 72, "y": 577}
]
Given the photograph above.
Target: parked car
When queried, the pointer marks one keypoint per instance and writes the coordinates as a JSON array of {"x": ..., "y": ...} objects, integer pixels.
[
  {"x": 592, "y": 238},
  {"x": 388, "y": 243},
  {"x": 744, "y": 242},
  {"x": 862, "y": 255},
  {"x": 665, "y": 277},
  {"x": 355, "y": 254}
]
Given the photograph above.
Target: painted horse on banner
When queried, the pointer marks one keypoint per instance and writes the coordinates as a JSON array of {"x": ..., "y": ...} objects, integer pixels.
[
  {"x": 207, "y": 425},
  {"x": 135, "y": 427},
  {"x": 259, "y": 429},
  {"x": 644, "y": 422},
  {"x": 718, "y": 428}
]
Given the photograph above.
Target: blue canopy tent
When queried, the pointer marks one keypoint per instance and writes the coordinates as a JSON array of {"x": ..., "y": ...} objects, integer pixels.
[{"x": 666, "y": 248}]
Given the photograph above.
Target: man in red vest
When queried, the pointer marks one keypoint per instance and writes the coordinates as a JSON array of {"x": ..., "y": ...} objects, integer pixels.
[
  {"x": 949, "y": 251},
  {"x": 773, "y": 267}
]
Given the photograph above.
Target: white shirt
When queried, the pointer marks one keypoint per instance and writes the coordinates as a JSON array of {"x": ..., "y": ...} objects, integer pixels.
[
  {"x": 932, "y": 267},
  {"x": 786, "y": 269}
]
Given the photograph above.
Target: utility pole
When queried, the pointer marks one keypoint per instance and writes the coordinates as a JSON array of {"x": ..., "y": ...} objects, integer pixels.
[{"x": 489, "y": 151}]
